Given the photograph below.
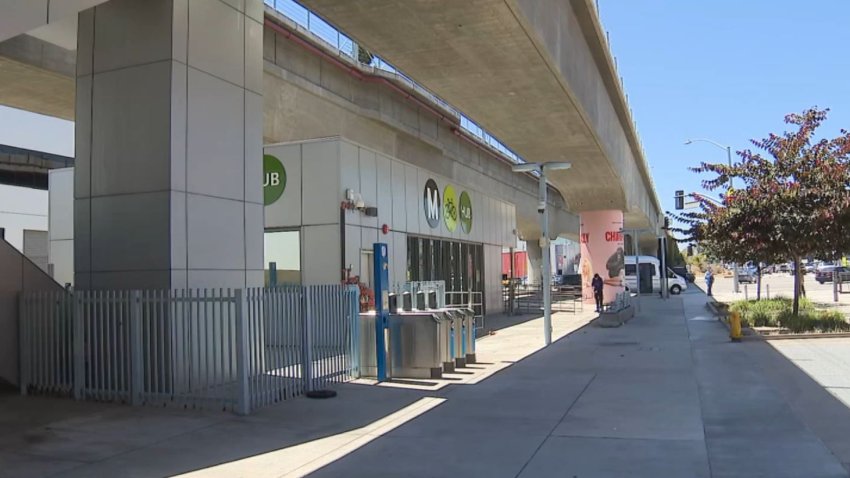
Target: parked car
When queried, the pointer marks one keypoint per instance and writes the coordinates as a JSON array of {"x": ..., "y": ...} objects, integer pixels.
[
  {"x": 746, "y": 276},
  {"x": 824, "y": 274},
  {"x": 684, "y": 272}
]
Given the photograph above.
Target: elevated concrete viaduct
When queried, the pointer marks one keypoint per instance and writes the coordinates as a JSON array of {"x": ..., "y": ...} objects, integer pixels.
[
  {"x": 537, "y": 73},
  {"x": 308, "y": 95},
  {"x": 154, "y": 87}
]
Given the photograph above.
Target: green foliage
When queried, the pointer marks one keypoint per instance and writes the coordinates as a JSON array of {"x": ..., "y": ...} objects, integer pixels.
[
  {"x": 813, "y": 321},
  {"x": 778, "y": 312},
  {"x": 698, "y": 263},
  {"x": 364, "y": 56},
  {"x": 765, "y": 313},
  {"x": 674, "y": 255},
  {"x": 795, "y": 200}
]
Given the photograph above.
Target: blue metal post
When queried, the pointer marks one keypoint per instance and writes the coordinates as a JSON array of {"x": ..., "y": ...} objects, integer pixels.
[{"x": 381, "y": 278}]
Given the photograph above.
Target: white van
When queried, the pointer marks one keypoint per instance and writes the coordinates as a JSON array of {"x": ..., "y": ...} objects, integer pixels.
[{"x": 650, "y": 266}]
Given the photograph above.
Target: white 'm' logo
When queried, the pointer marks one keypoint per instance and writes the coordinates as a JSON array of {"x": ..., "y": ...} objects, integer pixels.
[{"x": 432, "y": 201}]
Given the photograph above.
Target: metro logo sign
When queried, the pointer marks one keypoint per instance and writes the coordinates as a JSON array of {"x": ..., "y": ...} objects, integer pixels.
[
  {"x": 274, "y": 179},
  {"x": 451, "y": 209},
  {"x": 432, "y": 203}
]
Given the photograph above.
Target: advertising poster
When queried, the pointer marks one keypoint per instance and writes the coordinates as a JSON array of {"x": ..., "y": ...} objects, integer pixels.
[{"x": 602, "y": 253}]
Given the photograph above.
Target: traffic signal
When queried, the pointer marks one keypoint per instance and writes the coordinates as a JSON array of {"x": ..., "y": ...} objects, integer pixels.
[{"x": 680, "y": 200}]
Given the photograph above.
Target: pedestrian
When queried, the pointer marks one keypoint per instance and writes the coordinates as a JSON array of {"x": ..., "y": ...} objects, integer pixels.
[
  {"x": 597, "y": 285},
  {"x": 709, "y": 281}
]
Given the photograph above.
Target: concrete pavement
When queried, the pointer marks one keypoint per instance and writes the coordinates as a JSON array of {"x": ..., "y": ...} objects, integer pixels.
[{"x": 665, "y": 395}]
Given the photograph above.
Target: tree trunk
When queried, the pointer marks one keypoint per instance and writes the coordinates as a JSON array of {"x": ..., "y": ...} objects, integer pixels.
[
  {"x": 797, "y": 275},
  {"x": 758, "y": 287}
]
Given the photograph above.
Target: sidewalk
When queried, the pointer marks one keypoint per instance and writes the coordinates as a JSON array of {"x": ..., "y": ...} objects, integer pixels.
[{"x": 666, "y": 395}]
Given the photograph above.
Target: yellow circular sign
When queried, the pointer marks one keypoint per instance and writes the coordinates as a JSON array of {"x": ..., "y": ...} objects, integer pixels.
[{"x": 450, "y": 208}]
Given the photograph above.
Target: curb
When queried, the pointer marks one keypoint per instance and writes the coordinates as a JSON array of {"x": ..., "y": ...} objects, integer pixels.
[
  {"x": 838, "y": 335},
  {"x": 747, "y": 334}
]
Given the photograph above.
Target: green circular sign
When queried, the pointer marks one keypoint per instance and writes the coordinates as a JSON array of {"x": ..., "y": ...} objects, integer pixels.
[
  {"x": 465, "y": 212},
  {"x": 450, "y": 208},
  {"x": 274, "y": 179}
]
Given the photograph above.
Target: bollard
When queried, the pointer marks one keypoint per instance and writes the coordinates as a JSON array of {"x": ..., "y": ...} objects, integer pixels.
[
  {"x": 735, "y": 326},
  {"x": 835, "y": 286},
  {"x": 746, "y": 293},
  {"x": 767, "y": 288}
]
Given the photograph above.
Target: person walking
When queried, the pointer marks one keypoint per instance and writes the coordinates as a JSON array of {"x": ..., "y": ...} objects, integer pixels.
[
  {"x": 597, "y": 285},
  {"x": 709, "y": 281}
]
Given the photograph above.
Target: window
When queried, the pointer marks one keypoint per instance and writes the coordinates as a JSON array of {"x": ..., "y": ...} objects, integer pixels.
[
  {"x": 283, "y": 249},
  {"x": 459, "y": 264}
]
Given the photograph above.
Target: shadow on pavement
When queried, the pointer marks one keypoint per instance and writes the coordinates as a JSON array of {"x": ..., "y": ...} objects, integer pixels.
[{"x": 62, "y": 437}]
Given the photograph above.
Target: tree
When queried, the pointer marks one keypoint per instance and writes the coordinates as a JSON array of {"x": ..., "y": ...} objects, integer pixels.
[
  {"x": 795, "y": 201},
  {"x": 674, "y": 255}
]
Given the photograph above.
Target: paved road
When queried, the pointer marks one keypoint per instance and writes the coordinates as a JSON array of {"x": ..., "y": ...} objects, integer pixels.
[
  {"x": 826, "y": 360},
  {"x": 780, "y": 284}
]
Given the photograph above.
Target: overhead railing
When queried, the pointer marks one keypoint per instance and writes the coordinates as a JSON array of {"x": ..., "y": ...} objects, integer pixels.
[{"x": 306, "y": 19}]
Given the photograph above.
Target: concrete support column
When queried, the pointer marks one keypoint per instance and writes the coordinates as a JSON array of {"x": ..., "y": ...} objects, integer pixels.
[
  {"x": 535, "y": 262},
  {"x": 602, "y": 252},
  {"x": 168, "y": 180}
]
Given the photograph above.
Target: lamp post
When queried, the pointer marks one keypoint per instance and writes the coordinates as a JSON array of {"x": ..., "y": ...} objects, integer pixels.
[
  {"x": 541, "y": 169},
  {"x": 729, "y": 159}
]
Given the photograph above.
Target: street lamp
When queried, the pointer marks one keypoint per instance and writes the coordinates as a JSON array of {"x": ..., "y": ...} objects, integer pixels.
[
  {"x": 542, "y": 169},
  {"x": 729, "y": 159}
]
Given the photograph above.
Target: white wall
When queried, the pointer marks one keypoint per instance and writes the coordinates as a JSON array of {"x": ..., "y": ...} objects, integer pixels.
[
  {"x": 330, "y": 166},
  {"x": 24, "y": 129},
  {"x": 61, "y": 230},
  {"x": 35, "y": 248},
  {"x": 22, "y": 208}
]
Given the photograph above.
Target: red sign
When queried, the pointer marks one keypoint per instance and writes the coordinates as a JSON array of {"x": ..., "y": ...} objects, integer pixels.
[{"x": 613, "y": 236}]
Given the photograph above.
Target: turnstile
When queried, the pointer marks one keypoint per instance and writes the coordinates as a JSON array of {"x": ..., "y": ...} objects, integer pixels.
[
  {"x": 420, "y": 344},
  {"x": 417, "y": 345},
  {"x": 468, "y": 334},
  {"x": 368, "y": 354}
]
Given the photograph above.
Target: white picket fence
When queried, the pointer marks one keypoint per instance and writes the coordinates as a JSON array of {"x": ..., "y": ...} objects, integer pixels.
[{"x": 201, "y": 348}]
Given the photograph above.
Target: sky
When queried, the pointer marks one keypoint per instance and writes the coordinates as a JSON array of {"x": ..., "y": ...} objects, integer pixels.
[{"x": 725, "y": 70}]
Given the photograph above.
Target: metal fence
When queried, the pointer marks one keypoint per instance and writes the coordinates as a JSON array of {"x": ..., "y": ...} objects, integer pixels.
[
  {"x": 201, "y": 348},
  {"x": 528, "y": 299}
]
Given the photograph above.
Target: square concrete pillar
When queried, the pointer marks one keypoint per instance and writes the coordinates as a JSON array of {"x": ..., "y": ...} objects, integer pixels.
[{"x": 168, "y": 180}]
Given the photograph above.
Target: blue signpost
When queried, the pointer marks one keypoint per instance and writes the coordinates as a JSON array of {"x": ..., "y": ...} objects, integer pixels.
[{"x": 381, "y": 277}]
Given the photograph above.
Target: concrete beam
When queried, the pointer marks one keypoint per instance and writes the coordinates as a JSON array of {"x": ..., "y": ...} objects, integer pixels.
[
  {"x": 526, "y": 71},
  {"x": 21, "y": 16},
  {"x": 37, "y": 76}
]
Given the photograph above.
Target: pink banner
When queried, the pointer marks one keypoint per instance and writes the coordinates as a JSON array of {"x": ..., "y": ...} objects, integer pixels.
[{"x": 602, "y": 252}]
